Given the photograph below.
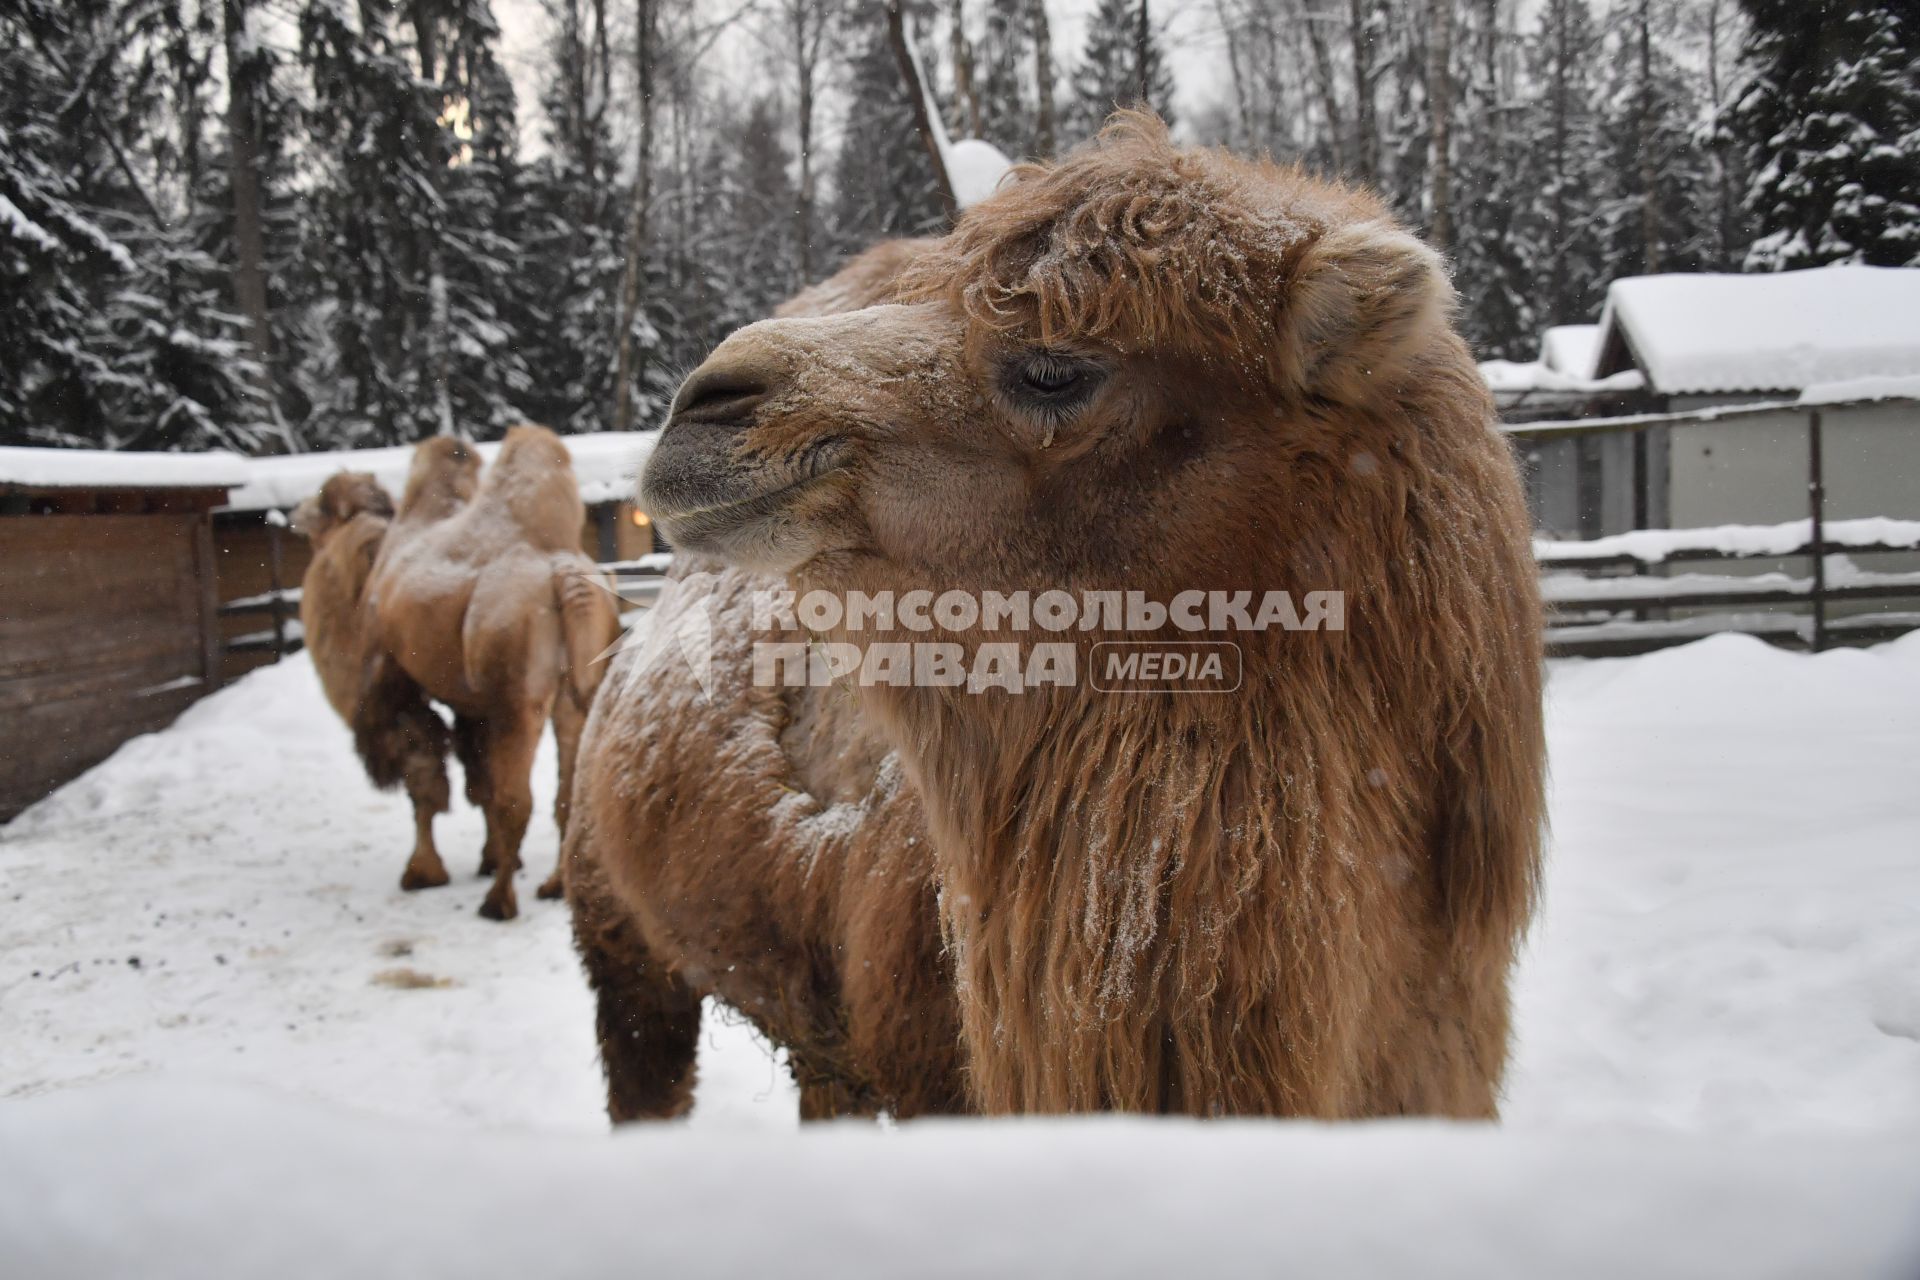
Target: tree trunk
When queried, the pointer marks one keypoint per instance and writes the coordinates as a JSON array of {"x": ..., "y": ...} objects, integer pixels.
[
  {"x": 1366, "y": 130},
  {"x": 1243, "y": 110},
  {"x": 249, "y": 234},
  {"x": 636, "y": 218},
  {"x": 1440, "y": 108},
  {"x": 439, "y": 311},
  {"x": 1323, "y": 82},
  {"x": 1043, "y": 127},
  {"x": 1142, "y": 49},
  {"x": 805, "y": 55},
  {"x": 1643, "y": 119},
  {"x": 1722, "y": 171},
  {"x": 922, "y": 112},
  {"x": 966, "y": 100}
]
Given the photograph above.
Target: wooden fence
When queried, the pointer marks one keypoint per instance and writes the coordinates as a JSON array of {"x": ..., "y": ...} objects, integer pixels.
[
  {"x": 1621, "y": 595},
  {"x": 1617, "y": 595}
]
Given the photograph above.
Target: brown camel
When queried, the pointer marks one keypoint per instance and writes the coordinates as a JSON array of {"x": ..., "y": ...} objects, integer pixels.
[
  {"x": 1154, "y": 371},
  {"x": 756, "y": 844},
  {"x": 345, "y": 522},
  {"x": 486, "y": 604},
  {"x": 398, "y": 735}
]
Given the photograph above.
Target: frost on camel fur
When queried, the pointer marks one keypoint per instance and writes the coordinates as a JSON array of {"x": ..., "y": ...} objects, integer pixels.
[{"x": 1161, "y": 370}]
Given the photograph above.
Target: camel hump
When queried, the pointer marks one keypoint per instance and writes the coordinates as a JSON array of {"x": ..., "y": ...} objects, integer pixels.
[
  {"x": 589, "y": 622},
  {"x": 532, "y": 481}
]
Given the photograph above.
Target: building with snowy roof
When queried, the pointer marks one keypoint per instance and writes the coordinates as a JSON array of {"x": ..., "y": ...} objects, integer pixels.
[
  {"x": 1722, "y": 377},
  {"x": 108, "y": 619}
]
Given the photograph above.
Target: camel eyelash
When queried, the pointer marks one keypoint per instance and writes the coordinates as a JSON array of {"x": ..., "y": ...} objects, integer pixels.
[{"x": 1049, "y": 387}]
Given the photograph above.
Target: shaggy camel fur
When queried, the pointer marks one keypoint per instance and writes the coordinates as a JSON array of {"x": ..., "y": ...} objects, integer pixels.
[
  {"x": 345, "y": 522},
  {"x": 398, "y": 735},
  {"x": 757, "y": 845},
  {"x": 1161, "y": 371},
  {"x": 480, "y": 599}
]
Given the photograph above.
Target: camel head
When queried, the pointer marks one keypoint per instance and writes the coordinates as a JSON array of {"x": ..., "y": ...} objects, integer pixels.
[
  {"x": 345, "y": 495},
  {"x": 442, "y": 478},
  {"x": 1140, "y": 360}
]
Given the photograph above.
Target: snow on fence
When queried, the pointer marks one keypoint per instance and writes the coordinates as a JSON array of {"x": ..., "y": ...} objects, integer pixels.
[
  {"x": 1615, "y": 595},
  {"x": 1606, "y": 594}
]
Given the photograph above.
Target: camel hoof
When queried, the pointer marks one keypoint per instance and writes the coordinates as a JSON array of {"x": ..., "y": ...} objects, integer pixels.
[
  {"x": 413, "y": 878},
  {"x": 553, "y": 889},
  {"x": 499, "y": 909}
]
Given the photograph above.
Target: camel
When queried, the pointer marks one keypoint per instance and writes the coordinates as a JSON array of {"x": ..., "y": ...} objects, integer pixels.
[
  {"x": 1140, "y": 371},
  {"x": 481, "y": 599},
  {"x": 344, "y": 522},
  {"x": 398, "y": 735},
  {"x": 395, "y": 607},
  {"x": 686, "y": 796}
]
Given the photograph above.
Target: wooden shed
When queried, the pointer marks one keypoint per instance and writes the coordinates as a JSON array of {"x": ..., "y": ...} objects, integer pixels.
[{"x": 107, "y": 604}]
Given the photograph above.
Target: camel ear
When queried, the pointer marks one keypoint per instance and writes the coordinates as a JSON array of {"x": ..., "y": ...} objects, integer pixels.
[{"x": 1367, "y": 301}]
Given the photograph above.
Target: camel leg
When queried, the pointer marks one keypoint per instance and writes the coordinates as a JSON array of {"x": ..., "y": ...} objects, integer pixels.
[
  {"x": 402, "y": 739},
  {"x": 647, "y": 1019},
  {"x": 569, "y": 718},
  {"x": 428, "y": 790},
  {"x": 510, "y": 747},
  {"x": 470, "y": 745},
  {"x": 829, "y": 1101}
]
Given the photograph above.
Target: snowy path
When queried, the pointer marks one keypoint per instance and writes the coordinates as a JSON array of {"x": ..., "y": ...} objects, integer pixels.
[
  {"x": 221, "y": 899},
  {"x": 1731, "y": 935}
]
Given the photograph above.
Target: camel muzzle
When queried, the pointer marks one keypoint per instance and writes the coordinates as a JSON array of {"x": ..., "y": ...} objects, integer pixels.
[{"x": 712, "y": 483}]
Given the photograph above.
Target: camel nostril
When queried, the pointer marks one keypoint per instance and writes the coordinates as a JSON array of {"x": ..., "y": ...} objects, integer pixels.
[{"x": 719, "y": 395}]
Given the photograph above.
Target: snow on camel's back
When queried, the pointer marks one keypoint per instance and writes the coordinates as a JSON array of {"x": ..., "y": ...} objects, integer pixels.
[{"x": 1140, "y": 369}]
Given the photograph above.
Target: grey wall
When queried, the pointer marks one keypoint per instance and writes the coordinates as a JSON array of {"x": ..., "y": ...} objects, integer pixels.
[{"x": 1754, "y": 470}]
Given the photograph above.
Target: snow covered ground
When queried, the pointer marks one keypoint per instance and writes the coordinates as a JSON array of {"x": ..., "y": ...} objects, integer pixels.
[{"x": 1717, "y": 1062}]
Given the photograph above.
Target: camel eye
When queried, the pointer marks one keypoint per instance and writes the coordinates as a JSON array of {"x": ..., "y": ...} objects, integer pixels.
[
  {"x": 1050, "y": 375},
  {"x": 1049, "y": 389}
]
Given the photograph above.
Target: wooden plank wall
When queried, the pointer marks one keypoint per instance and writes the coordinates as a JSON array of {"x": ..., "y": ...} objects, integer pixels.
[
  {"x": 105, "y": 633},
  {"x": 243, "y": 556}
]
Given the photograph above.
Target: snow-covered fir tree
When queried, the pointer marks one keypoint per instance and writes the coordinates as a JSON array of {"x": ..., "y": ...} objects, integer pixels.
[
  {"x": 883, "y": 181},
  {"x": 1651, "y": 207},
  {"x": 1831, "y": 123},
  {"x": 1003, "y": 77},
  {"x": 113, "y": 319},
  {"x": 1561, "y": 166},
  {"x": 571, "y": 229},
  {"x": 414, "y": 120},
  {"x": 1494, "y": 264},
  {"x": 1120, "y": 35}
]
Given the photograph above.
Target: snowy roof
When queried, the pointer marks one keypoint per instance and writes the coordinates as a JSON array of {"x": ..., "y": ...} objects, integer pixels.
[
  {"x": 1537, "y": 375},
  {"x": 1706, "y": 333},
  {"x": 1856, "y": 390},
  {"x": 1570, "y": 349},
  {"x": 607, "y": 464},
  {"x": 36, "y": 468}
]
